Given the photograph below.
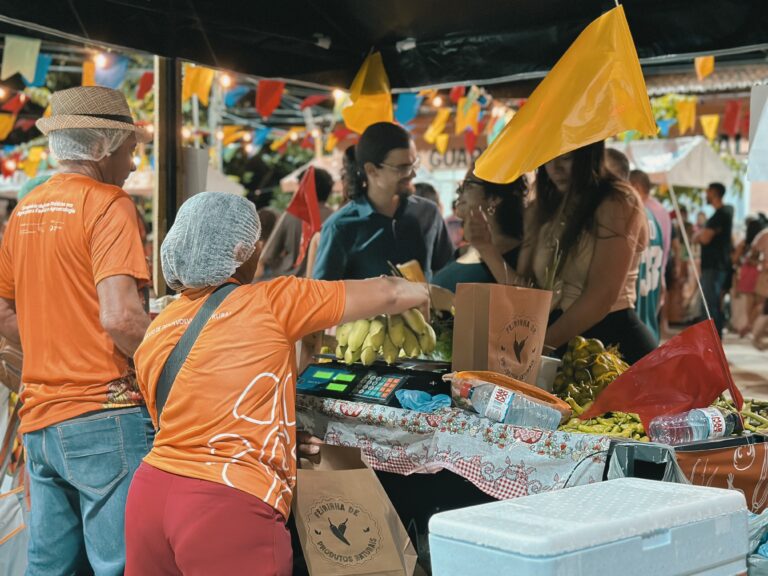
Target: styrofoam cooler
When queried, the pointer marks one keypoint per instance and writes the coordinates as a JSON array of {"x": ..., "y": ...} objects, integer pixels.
[{"x": 628, "y": 526}]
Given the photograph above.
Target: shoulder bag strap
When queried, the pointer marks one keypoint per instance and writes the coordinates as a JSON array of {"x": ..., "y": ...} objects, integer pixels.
[{"x": 184, "y": 345}]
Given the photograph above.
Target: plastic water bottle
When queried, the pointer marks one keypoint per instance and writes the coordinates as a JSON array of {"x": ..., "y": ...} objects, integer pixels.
[
  {"x": 510, "y": 407},
  {"x": 693, "y": 425}
]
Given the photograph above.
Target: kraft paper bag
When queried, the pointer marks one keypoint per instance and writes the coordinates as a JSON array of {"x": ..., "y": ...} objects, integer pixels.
[
  {"x": 346, "y": 523},
  {"x": 500, "y": 328}
]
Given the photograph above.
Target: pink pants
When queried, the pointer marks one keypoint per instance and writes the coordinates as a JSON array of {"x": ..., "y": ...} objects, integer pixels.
[{"x": 176, "y": 525}]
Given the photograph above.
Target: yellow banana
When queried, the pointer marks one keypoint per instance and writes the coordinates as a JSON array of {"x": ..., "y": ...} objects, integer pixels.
[
  {"x": 340, "y": 351},
  {"x": 389, "y": 350},
  {"x": 415, "y": 321},
  {"x": 342, "y": 333},
  {"x": 396, "y": 326},
  {"x": 351, "y": 356},
  {"x": 377, "y": 332},
  {"x": 368, "y": 356},
  {"x": 411, "y": 344},
  {"x": 358, "y": 334},
  {"x": 428, "y": 340}
]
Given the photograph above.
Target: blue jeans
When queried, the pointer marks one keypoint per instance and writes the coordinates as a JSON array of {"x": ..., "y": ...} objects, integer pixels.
[
  {"x": 712, "y": 283},
  {"x": 79, "y": 474}
]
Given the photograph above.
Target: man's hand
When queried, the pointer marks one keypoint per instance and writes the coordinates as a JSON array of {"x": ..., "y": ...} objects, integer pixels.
[{"x": 308, "y": 445}]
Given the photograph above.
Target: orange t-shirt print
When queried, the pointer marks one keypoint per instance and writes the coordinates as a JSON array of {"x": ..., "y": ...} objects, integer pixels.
[
  {"x": 230, "y": 416},
  {"x": 64, "y": 238}
]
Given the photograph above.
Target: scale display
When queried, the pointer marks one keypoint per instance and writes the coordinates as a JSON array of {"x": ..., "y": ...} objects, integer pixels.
[{"x": 358, "y": 383}]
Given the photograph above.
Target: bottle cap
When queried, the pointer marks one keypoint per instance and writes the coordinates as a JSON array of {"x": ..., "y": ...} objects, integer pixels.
[
  {"x": 738, "y": 422},
  {"x": 465, "y": 390}
]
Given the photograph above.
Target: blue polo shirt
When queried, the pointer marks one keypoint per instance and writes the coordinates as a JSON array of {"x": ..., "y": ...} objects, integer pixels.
[{"x": 357, "y": 241}]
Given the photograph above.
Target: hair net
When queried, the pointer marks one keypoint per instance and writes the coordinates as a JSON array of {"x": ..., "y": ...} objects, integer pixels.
[
  {"x": 214, "y": 233},
  {"x": 86, "y": 143}
]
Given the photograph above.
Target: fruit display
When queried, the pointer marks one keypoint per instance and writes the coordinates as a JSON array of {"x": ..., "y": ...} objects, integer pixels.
[{"x": 406, "y": 335}]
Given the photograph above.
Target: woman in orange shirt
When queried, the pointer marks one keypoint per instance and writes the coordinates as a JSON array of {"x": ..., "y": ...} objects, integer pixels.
[{"x": 213, "y": 495}]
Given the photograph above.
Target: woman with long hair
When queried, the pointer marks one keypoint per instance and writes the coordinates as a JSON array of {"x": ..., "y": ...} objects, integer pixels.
[
  {"x": 584, "y": 235},
  {"x": 383, "y": 222}
]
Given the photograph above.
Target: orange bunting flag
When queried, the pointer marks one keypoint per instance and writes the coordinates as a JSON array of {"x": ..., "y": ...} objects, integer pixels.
[
  {"x": 371, "y": 100},
  {"x": 197, "y": 82},
  {"x": 686, "y": 115},
  {"x": 7, "y": 121},
  {"x": 704, "y": 65},
  {"x": 595, "y": 90},
  {"x": 278, "y": 143},
  {"x": 438, "y": 125},
  {"x": 466, "y": 116},
  {"x": 709, "y": 125},
  {"x": 441, "y": 143},
  {"x": 331, "y": 142},
  {"x": 305, "y": 207},
  {"x": 89, "y": 73}
]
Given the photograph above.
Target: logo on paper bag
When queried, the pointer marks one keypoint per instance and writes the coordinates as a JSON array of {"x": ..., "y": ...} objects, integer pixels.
[
  {"x": 517, "y": 348},
  {"x": 343, "y": 532}
]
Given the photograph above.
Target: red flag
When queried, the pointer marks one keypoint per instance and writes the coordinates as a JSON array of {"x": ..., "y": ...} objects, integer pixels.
[
  {"x": 313, "y": 100},
  {"x": 689, "y": 371},
  {"x": 744, "y": 129},
  {"x": 24, "y": 124},
  {"x": 308, "y": 143},
  {"x": 305, "y": 207},
  {"x": 341, "y": 133},
  {"x": 730, "y": 124},
  {"x": 470, "y": 139},
  {"x": 15, "y": 104},
  {"x": 268, "y": 96},
  {"x": 145, "y": 84},
  {"x": 457, "y": 92}
]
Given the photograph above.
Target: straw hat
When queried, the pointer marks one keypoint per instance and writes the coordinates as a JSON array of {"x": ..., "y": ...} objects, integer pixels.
[{"x": 90, "y": 107}]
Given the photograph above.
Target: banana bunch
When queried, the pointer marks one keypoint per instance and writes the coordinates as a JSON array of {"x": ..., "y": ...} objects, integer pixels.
[
  {"x": 588, "y": 367},
  {"x": 392, "y": 337}
]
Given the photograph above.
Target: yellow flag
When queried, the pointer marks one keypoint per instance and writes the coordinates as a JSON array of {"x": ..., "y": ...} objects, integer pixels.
[
  {"x": 89, "y": 73},
  {"x": 709, "y": 124},
  {"x": 704, "y": 65},
  {"x": 371, "y": 100},
  {"x": 277, "y": 144},
  {"x": 232, "y": 134},
  {"x": 441, "y": 143},
  {"x": 595, "y": 90},
  {"x": 438, "y": 125},
  {"x": 32, "y": 161},
  {"x": 7, "y": 122},
  {"x": 197, "y": 81},
  {"x": 686, "y": 115},
  {"x": 331, "y": 142},
  {"x": 468, "y": 119}
]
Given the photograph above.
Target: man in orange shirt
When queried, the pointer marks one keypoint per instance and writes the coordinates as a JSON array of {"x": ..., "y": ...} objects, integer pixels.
[
  {"x": 213, "y": 494},
  {"x": 71, "y": 265}
]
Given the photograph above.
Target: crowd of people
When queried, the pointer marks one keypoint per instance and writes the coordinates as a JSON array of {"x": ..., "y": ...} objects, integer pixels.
[{"x": 170, "y": 447}]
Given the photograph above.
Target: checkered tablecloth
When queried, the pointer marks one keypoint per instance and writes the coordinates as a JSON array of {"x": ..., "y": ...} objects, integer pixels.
[{"x": 502, "y": 461}]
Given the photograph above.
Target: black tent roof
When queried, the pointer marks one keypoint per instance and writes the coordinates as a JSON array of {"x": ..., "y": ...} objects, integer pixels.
[{"x": 424, "y": 42}]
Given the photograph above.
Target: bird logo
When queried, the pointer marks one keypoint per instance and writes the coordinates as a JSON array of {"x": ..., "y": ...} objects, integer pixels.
[
  {"x": 339, "y": 530},
  {"x": 518, "y": 347}
]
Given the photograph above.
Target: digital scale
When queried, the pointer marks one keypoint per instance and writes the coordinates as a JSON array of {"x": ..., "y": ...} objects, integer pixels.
[{"x": 374, "y": 384}]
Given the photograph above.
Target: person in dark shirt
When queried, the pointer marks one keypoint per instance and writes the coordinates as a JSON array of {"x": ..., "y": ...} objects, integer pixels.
[
  {"x": 493, "y": 216},
  {"x": 383, "y": 221},
  {"x": 716, "y": 246}
]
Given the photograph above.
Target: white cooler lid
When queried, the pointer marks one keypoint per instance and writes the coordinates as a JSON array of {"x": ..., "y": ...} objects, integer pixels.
[{"x": 582, "y": 517}]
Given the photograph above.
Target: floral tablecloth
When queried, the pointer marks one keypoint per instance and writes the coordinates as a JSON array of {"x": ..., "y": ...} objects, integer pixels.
[{"x": 502, "y": 461}]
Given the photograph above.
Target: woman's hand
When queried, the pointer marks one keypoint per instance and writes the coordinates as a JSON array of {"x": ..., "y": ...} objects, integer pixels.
[
  {"x": 477, "y": 231},
  {"x": 308, "y": 445}
]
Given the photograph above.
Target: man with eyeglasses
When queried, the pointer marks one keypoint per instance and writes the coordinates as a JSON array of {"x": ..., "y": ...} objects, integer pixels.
[{"x": 383, "y": 222}]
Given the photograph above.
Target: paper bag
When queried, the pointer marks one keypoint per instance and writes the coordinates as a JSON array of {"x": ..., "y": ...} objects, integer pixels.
[
  {"x": 736, "y": 463},
  {"x": 346, "y": 523},
  {"x": 500, "y": 328}
]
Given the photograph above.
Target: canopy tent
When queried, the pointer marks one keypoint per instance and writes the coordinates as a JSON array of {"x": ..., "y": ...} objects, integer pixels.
[
  {"x": 423, "y": 42},
  {"x": 687, "y": 161}
]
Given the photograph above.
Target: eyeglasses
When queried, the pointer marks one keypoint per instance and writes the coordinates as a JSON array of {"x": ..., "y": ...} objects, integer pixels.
[
  {"x": 461, "y": 188},
  {"x": 403, "y": 169}
]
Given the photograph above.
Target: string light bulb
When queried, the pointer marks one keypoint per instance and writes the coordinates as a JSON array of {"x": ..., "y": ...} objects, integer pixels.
[
  {"x": 150, "y": 128},
  {"x": 437, "y": 101},
  {"x": 219, "y": 134},
  {"x": 136, "y": 161},
  {"x": 338, "y": 93},
  {"x": 294, "y": 136},
  {"x": 3, "y": 92},
  {"x": 315, "y": 133},
  {"x": 101, "y": 60},
  {"x": 10, "y": 165},
  {"x": 247, "y": 137},
  {"x": 186, "y": 133},
  {"x": 249, "y": 149},
  {"x": 225, "y": 80}
]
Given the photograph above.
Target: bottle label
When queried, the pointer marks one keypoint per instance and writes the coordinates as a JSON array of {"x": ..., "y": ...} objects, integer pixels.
[
  {"x": 498, "y": 404},
  {"x": 716, "y": 422}
]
